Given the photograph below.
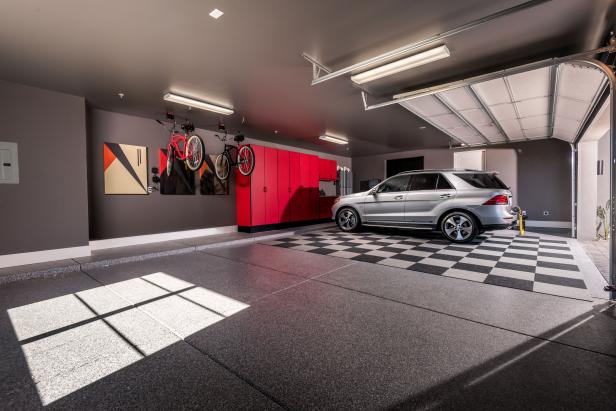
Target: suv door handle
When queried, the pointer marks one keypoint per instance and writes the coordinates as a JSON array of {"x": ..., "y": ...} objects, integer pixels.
[
  {"x": 445, "y": 195},
  {"x": 398, "y": 197}
]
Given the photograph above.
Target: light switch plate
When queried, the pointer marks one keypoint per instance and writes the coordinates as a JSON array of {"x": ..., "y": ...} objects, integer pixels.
[{"x": 9, "y": 164}]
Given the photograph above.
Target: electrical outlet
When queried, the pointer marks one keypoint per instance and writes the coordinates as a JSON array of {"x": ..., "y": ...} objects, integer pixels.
[{"x": 546, "y": 213}]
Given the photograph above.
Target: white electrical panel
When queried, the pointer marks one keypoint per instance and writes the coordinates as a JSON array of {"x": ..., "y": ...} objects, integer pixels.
[{"x": 9, "y": 166}]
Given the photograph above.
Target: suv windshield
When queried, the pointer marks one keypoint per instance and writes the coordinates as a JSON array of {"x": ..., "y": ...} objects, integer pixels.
[{"x": 482, "y": 180}]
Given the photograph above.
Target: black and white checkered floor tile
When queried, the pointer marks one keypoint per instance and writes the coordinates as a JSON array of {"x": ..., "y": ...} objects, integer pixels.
[{"x": 532, "y": 262}]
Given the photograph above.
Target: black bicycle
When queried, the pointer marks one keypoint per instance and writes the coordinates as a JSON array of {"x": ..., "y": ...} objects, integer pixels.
[{"x": 244, "y": 158}]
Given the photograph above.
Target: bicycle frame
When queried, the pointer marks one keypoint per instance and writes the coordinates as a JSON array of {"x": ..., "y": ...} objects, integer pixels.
[
  {"x": 176, "y": 140},
  {"x": 228, "y": 149}
]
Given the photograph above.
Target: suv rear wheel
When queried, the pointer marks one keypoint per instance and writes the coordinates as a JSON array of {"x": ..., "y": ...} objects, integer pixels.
[
  {"x": 348, "y": 219},
  {"x": 459, "y": 227}
]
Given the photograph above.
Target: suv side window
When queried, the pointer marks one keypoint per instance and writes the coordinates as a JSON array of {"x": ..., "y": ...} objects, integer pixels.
[
  {"x": 482, "y": 180},
  {"x": 424, "y": 181},
  {"x": 394, "y": 184},
  {"x": 443, "y": 184}
]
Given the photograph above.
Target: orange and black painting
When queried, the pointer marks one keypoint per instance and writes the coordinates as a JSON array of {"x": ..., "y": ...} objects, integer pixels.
[{"x": 125, "y": 169}]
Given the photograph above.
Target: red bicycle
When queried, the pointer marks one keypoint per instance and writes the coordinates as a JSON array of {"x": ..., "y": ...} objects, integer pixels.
[{"x": 185, "y": 146}]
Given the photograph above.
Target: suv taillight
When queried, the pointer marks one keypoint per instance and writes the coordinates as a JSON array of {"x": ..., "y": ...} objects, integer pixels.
[{"x": 500, "y": 199}]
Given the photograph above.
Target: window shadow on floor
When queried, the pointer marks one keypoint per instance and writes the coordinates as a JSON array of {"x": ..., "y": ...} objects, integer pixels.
[{"x": 535, "y": 375}]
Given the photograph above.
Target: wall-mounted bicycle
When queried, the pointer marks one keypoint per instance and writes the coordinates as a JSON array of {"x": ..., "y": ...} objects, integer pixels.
[
  {"x": 186, "y": 146},
  {"x": 244, "y": 156}
]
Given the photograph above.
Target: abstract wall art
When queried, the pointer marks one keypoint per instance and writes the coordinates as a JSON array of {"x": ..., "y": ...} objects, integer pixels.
[
  {"x": 179, "y": 181},
  {"x": 209, "y": 183},
  {"x": 125, "y": 169}
]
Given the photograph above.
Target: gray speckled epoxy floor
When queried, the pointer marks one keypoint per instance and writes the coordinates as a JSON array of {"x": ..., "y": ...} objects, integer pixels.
[{"x": 258, "y": 327}]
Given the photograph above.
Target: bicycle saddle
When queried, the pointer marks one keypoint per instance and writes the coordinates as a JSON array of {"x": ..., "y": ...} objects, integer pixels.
[
  {"x": 238, "y": 138},
  {"x": 188, "y": 127}
]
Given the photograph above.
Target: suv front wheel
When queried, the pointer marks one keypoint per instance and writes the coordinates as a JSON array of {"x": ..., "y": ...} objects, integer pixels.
[
  {"x": 348, "y": 219},
  {"x": 459, "y": 227}
]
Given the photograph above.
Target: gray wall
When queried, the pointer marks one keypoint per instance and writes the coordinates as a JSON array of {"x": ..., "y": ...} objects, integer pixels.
[
  {"x": 48, "y": 209},
  {"x": 113, "y": 216},
  {"x": 369, "y": 167},
  {"x": 543, "y": 174},
  {"x": 544, "y": 179},
  {"x": 127, "y": 215}
]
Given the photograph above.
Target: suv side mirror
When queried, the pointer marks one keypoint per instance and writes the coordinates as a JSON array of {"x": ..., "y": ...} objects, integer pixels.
[{"x": 372, "y": 191}]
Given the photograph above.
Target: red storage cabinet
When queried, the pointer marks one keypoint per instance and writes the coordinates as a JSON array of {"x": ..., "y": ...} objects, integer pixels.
[
  {"x": 283, "y": 188},
  {"x": 270, "y": 188},
  {"x": 257, "y": 186},
  {"x": 327, "y": 170},
  {"x": 295, "y": 184},
  {"x": 313, "y": 188},
  {"x": 325, "y": 206}
]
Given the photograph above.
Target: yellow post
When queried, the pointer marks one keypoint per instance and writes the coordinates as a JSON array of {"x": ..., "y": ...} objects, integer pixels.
[{"x": 521, "y": 221}]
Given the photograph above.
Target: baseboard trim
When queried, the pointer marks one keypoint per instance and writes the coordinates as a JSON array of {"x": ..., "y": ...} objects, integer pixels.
[
  {"x": 280, "y": 226},
  {"x": 548, "y": 224},
  {"x": 35, "y": 257},
  {"x": 156, "y": 238}
]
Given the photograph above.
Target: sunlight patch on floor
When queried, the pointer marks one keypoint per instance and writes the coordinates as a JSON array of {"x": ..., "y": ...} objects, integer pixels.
[{"x": 74, "y": 340}]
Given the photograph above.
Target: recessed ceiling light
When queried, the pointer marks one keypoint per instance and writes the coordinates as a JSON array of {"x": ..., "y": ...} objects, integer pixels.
[
  {"x": 216, "y": 13},
  {"x": 191, "y": 102},
  {"x": 334, "y": 139}
]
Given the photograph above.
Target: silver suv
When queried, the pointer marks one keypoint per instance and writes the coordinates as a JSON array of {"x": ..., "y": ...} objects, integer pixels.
[{"x": 459, "y": 203}]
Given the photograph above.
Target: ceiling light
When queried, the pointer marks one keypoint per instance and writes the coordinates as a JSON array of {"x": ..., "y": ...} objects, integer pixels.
[
  {"x": 333, "y": 139},
  {"x": 216, "y": 13},
  {"x": 174, "y": 98},
  {"x": 406, "y": 63}
]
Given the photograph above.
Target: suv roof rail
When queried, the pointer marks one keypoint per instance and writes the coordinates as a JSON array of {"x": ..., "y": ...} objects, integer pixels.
[{"x": 435, "y": 170}]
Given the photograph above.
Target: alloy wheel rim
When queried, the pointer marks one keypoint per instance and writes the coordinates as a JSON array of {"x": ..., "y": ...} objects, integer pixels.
[
  {"x": 458, "y": 227},
  {"x": 347, "y": 219}
]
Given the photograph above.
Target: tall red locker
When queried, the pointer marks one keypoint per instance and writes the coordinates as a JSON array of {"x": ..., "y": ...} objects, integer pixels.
[
  {"x": 305, "y": 185},
  {"x": 313, "y": 188},
  {"x": 242, "y": 199},
  {"x": 295, "y": 182},
  {"x": 284, "y": 187},
  {"x": 257, "y": 188},
  {"x": 270, "y": 187}
]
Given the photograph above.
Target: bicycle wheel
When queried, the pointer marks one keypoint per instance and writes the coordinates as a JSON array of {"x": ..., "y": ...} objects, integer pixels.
[
  {"x": 246, "y": 160},
  {"x": 170, "y": 159},
  {"x": 222, "y": 165},
  {"x": 194, "y": 152}
]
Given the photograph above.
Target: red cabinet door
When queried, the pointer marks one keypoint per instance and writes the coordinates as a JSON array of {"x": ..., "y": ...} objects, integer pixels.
[
  {"x": 305, "y": 184},
  {"x": 270, "y": 157},
  {"x": 322, "y": 169},
  {"x": 242, "y": 199},
  {"x": 295, "y": 182},
  {"x": 284, "y": 187},
  {"x": 327, "y": 170},
  {"x": 313, "y": 188},
  {"x": 257, "y": 188}
]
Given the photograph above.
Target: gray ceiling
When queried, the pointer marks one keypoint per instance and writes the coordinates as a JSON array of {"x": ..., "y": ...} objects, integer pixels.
[{"x": 250, "y": 57}]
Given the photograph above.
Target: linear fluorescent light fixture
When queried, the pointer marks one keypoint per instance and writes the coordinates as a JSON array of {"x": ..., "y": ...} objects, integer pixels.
[
  {"x": 406, "y": 63},
  {"x": 174, "y": 98},
  {"x": 333, "y": 139}
]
